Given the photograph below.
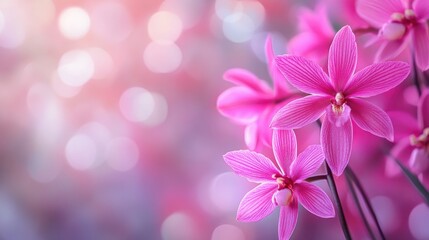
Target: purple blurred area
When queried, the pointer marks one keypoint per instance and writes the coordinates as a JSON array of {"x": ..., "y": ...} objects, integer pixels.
[{"x": 109, "y": 123}]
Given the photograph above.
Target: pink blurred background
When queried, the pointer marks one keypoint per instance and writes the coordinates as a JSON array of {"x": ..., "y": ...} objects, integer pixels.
[{"x": 110, "y": 129}]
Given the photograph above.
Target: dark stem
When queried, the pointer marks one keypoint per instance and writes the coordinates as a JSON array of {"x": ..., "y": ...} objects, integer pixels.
[
  {"x": 416, "y": 77},
  {"x": 353, "y": 177},
  {"x": 316, "y": 178},
  {"x": 357, "y": 202},
  {"x": 337, "y": 200}
]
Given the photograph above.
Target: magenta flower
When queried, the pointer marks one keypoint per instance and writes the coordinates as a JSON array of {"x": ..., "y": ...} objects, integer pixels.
[
  {"x": 398, "y": 21},
  {"x": 253, "y": 103},
  {"x": 284, "y": 186},
  {"x": 338, "y": 95},
  {"x": 315, "y": 35},
  {"x": 413, "y": 144}
]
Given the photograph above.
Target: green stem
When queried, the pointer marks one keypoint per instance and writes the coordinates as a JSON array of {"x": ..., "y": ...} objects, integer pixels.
[
  {"x": 353, "y": 177},
  {"x": 337, "y": 200}
]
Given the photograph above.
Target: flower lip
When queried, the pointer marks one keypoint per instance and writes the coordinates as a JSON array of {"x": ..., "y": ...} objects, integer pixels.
[{"x": 283, "y": 197}]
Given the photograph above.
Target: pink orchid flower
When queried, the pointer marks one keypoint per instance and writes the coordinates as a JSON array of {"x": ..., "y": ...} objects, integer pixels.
[
  {"x": 253, "y": 103},
  {"x": 338, "y": 95},
  {"x": 284, "y": 186},
  {"x": 398, "y": 21},
  {"x": 413, "y": 144},
  {"x": 315, "y": 35}
]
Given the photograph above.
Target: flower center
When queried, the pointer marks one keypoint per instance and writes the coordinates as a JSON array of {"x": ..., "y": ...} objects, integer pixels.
[
  {"x": 284, "y": 194},
  {"x": 338, "y": 103},
  {"x": 422, "y": 141},
  {"x": 399, "y": 24}
]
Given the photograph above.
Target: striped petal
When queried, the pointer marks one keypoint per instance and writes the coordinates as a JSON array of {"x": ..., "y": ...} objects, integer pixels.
[
  {"x": 300, "y": 112},
  {"x": 342, "y": 58},
  {"x": 257, "y": 203},
  {"x": 371, "y": 118},
  {"x": 251, "y": 165}
]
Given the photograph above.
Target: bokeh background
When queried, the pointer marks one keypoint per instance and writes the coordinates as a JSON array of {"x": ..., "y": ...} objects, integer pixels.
[{"x": 109, "y": 127}]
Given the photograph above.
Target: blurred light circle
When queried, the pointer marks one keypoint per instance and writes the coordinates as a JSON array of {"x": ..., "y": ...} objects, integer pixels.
[
  {"x": 76, "y": 67},
  {"x": 179, "y": 226},
  {"x": 227, "y": 231},
  {"x": 241, "y": 23},
  {"x": 81, "y": 152},
  {"x": 162, "y": 57},
  {"x": 160, "y": 112},
  {"x": 418, "y": 222},
  {"x": 164, "y": 26},
  {"x": 74, "y": 23},
  {"x": 224, "y": 8},
  {"x": 111, "y": 21},
  {"x": 103, "y": 63},
  {"x": 232, "y": 188},
  {"x": 238, "y": 27},
  {"x": 137, "y": 104},
  {"x": 122, "y": 154},
  {"x": 386, "y": 212}
]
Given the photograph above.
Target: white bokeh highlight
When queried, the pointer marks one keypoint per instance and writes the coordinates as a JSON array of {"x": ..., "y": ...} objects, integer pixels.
[
  {"x": 164, "y": 27},
  {"x": 76, "y": 67},
  {"x": 162, "y": 57},
  {"x": 74, "y": 23},
  {"x": 418, "y": 222},
  {"x": 81, "y": 152}
]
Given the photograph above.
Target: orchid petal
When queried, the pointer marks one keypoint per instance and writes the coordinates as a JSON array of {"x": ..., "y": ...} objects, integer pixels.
[
  {"x": 371, "y": 118},
  {"x": 421, "y": 45},
  {"x": 287, "y": 220},
  {"x": 241, "y": 104},
  {"x": 251, "y": 137},
  {"x": 284, "y": 148},
  {"x": 251, "y": 165},
  {"x": 423, "y": 110},
  {"x": 257, "y": 203},
  {"x": 314, "y": 199},
  {"x": 377, "y": 78},
  {"x": 391, "y": 49},
  {"x": 300, "y": 112},
  {"x": 307, "y": 163},
  {"x": 280, "y": 83},
  {"x": 337, "y": 144},
  {"x": 305, "y": 75},
  {"x": 378, "y": 12},
  {"x": 419, "y": 161},
  {"x": 247, "y": 79},
  {"x": 404, "y": 124},
  {"x": 421, "y": 8},
  {"x": 342, "y": 57}
]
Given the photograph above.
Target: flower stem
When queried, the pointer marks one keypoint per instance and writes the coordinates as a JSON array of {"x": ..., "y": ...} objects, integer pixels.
[
  {"x": 350, "y": 174},
  {"x": 337, "y": 200},
  {"x": 316, "y": 178},
  {"x": 416, "y": 77}
]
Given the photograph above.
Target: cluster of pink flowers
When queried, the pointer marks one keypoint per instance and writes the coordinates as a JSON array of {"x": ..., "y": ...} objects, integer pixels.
[{"x": 338, "y": 97}]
